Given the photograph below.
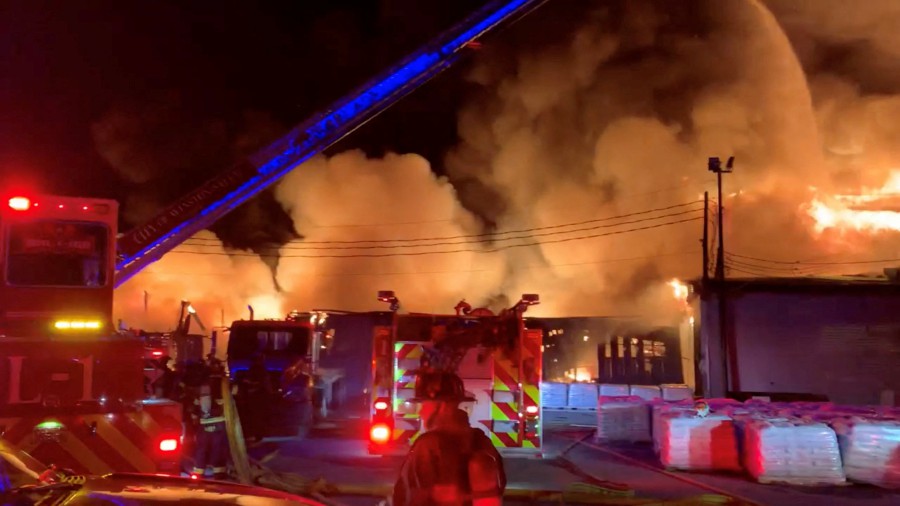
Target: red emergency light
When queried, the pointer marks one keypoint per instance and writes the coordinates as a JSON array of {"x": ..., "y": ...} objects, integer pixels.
[
  {"x": 380, "y": 433},
  {"x": 156, "y": 353},
  {"x": 381, "y": 405},
  {"x": 19, "y": 203},
  {"x": 531, "y": 410},
  {"x": 168, "y": 445}
]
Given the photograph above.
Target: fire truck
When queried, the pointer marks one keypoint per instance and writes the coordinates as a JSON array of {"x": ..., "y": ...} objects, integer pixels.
[
  {"x": 302, "y": 367},
  {"x": 73, "y": 386},
  {"x": 72, "y": 390},
  {"x": 497, "y": 357},
  {"x": 287, "y": 350}
]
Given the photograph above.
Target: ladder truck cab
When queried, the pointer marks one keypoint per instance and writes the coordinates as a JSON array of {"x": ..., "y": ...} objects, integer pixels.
[
  {"x": 72, "y": 390},
  {"x": 497, "y": 357},
  {"x": 285, "y": 348}
]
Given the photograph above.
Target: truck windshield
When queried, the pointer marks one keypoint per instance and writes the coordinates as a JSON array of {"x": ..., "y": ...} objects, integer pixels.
[
  {"x": 244, "y": 342},
  {"x": 57, "y": 253}
]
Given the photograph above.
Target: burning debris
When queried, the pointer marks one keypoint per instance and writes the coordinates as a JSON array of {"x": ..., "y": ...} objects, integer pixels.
[{"x": 872, "y": 210}]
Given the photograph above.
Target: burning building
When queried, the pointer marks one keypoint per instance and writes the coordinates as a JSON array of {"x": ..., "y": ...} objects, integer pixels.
[{"x": 610, "y": 350}]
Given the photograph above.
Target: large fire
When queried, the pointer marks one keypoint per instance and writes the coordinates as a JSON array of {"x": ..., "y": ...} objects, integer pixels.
[
  {"x": 681, "y": 291},
  {"x": 872, "y": 210}
]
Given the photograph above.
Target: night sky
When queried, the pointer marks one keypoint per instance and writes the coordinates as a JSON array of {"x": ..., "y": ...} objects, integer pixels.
[{"x": 240, "y": 71}]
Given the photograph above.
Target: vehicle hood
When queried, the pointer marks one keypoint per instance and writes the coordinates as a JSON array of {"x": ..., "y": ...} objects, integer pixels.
[{"x": 127, "y": 488}]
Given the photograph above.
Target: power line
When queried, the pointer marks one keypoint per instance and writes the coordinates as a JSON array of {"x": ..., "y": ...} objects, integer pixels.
[
  {"x": 795, "y": 268},
  {"x": 456, "y": 243},
  {"x": 496, "y": 234},
  {"x": 732, "y": 268},
  {"x": 685, "y": 184},
  {"x": 798, "y": 262},
  {"x": 460, "y": 250},
  {"x": 465, "y": 271}
]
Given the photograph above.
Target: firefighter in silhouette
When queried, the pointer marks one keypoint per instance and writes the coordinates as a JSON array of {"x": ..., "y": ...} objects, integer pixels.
[
  {"x": 450, "y": 463},
  {"x": 254, "y": 394},
  {"x": 165, "y": 386},
  {"x": 211, "y": 441}
]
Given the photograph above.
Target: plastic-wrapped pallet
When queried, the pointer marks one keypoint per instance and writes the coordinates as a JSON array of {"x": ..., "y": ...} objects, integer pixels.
[
  {"x": 608, "y": 390},
  {"x": 646, "y": 392},
  {"x": 554, "y": 395},
  {"x": 583, "y": 395},
  {"x": 792, "y": 451},
  {"x": 693, "y": 443},
  {"x": 676, "y": 392},
  {"x": 659, "y": 408},
  {"x": 871, "y": 450},
  {"x": 623, "y": 419}
]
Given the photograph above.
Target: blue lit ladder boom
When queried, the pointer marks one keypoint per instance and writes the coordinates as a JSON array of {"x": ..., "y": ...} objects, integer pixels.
[{"x": 198, "y": 210}]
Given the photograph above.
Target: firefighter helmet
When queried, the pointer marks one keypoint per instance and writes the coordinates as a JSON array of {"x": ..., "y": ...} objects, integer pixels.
[{"x": 440, "y": 386}]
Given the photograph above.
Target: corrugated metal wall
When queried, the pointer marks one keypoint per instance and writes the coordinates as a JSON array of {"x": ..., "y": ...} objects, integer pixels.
[{"x": 845, "y": 346}]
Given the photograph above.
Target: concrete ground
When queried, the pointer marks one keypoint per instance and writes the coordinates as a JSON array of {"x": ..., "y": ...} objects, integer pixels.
[{"x": 570, "y": 457}]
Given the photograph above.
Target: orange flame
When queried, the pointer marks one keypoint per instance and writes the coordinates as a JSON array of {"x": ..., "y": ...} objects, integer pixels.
[
  {"x": 863, "y": 212},
  {"x": 680, "y": 290}
]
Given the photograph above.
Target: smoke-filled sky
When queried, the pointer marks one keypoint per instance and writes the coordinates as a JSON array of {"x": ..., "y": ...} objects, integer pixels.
[{"x": 589, "y": 110}]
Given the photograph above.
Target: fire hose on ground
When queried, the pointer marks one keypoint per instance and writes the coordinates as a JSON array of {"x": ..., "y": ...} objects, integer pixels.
[{"x": 251, "y": 472}]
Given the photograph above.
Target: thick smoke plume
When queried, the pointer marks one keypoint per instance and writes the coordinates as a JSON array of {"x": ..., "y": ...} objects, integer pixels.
[
  {"x": 613, "y": 109},
  {"x": 219, "y": 285},
  {"x": 351, "y": 198},
  {"x": 621, "y": 115}
]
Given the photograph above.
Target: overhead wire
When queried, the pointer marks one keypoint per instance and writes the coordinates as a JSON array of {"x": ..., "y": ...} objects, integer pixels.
[
  {"x": 778, "y": 267},
  {"x": 498, "y": 235},
  {"x": 685, "y": 184},
  {"x": 798, "y": 262},
  {"x": 458, "y": 250},
  {"x": 456, "y": 243},
  {"x": 465, "y": 271}
]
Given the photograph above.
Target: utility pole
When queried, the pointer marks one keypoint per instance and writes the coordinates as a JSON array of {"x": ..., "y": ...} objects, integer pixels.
[
  {"x": 705, "y": 240},
  {"x": 715, "y": 165}
]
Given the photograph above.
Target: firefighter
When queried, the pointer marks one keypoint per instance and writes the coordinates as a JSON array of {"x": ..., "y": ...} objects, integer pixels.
[
  {"x": 215, "y": 366},
  {"x": 450, "y": 463},
  {"x": 165, "y": 385},
  {"x": 255, "y": 393},
  {"x": 211, "y": 441}
]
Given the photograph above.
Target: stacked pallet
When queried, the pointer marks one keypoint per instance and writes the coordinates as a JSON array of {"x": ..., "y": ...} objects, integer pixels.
[
  {"x": 675, "y": 393},
  {"x": 691, "y": 442},
  {"x": 646, "y": 392},
  {"x": 582, "y": 396},
  {"x": 554, "y": 395},
  {"x": 791, "y": 451},
  {"x": 871, "y": 450},
  {"x": 623, "y": 419}
]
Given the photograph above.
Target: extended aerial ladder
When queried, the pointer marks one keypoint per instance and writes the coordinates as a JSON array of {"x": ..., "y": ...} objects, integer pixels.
[{"x": 199, "y": 209}]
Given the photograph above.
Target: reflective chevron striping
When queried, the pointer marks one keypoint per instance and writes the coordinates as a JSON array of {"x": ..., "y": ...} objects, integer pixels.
[
  {"x": 109, "y": 433},
  {"x": 97, "y": 443}
]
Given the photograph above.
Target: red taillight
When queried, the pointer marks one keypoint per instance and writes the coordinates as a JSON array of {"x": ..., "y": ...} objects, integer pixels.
[
  {"x": 531, "y": 410},
  {"x": 168, "y": 445},
  {"x": 157, "y": 353},
  {"x": 380, "y": 433},
  {"x": 19, "y": 203},
  {"x": 381, "y": 405}
]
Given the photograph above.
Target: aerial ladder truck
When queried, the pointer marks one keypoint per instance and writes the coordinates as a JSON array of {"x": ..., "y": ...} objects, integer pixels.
[{"x": 72, "y": 391}]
